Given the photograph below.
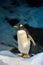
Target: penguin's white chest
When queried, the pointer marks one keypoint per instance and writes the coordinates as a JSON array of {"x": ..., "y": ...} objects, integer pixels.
[{"x": 23, "y": 42}]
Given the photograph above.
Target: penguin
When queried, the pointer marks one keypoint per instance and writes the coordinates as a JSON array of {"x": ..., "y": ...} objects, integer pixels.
[{"x": 24, "y": 38}]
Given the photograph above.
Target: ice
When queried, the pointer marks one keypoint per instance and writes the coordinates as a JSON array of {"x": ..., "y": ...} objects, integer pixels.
[
  {"x": 9, "y": 58},
  {"x": 2, "y": 63}
]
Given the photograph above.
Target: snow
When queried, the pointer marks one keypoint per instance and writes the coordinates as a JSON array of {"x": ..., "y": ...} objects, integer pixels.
[{"x": 8, "y": 58}]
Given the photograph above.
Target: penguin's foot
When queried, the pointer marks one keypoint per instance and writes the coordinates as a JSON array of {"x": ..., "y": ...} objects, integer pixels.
[{"x": 25, "y": 55}]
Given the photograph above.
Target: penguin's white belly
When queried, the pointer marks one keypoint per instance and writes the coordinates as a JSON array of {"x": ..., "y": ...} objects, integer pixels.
[{"x": 23, "y": 42}]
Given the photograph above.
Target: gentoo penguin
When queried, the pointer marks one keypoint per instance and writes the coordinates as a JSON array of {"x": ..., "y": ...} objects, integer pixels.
[{"x": 24, "y": 41}]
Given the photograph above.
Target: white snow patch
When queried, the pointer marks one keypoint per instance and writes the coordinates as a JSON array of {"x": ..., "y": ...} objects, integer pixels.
[{"x": 7, "y": 58}]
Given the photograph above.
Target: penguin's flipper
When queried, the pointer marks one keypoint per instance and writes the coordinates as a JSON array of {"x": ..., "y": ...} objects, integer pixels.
[{"x": 30, "y": 37}]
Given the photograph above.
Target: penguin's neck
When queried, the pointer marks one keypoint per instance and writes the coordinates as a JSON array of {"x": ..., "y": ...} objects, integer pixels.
[{"x": 21, "y": 28}]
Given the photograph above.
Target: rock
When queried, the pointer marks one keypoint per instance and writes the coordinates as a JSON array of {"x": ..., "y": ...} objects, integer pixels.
[
  {"x": 10, "y": 11},
  {"x": 6, "y": 7},
  {"x": 12, "y": 22},
  {"x": 15, "y": 37},
  {"x": 14, "y": 50},
  {"x": 36, "y": 33},
  {"x": 34, "y": 3},
  {"x": 6, "y": 18},
  {"x": 15, "y": 2}
]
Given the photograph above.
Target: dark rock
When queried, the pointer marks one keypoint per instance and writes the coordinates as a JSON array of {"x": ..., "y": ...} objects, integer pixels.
[
  {"x": 15, "y": 50},
  {"x": 36, "y": 33},
  {"x": 12, "y": 22},
  {"x": 15, "y": 37},
  {"x": 25, "y": 20},
  {"x": 6, "y": 18},
  {"x": 6, "y": 7},
  {"x": 10, "y": 11},
  {"x": 34, "y": 3},
  {"x": 15, "y": 2}
]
